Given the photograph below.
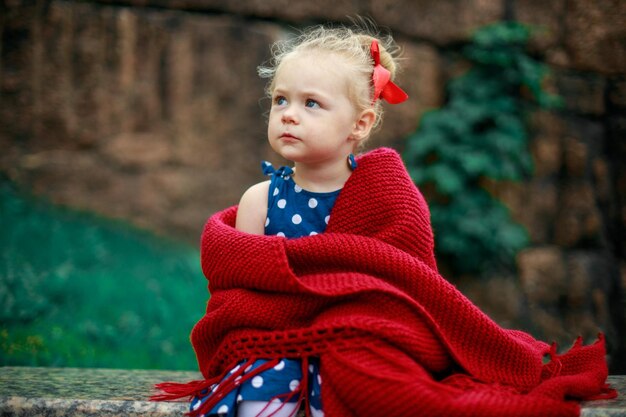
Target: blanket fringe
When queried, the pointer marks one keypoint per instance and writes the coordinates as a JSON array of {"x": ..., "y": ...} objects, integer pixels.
[
  {"x": 607, "y": 393},
  {"x": 555, "y": 366},
  {"x": 171, "y": 391}
]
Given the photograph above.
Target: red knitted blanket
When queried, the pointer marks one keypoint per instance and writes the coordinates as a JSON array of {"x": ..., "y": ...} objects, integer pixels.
[{"x": 394, "y": 338}]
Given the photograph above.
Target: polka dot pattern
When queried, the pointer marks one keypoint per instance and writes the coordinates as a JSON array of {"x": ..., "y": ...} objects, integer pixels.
[
  {"x": 295, "y": 212},
  {"x": 283, "y": 378},
  {"x": 257, "y": 381},
  {"x": 294, "y": 384}
]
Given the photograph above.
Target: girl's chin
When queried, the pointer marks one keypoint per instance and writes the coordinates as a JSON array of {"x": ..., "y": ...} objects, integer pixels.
[{"x": 289, "y": 151}]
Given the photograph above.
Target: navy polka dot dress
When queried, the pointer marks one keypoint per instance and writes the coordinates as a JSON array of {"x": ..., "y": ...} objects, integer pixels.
[{"x": 292, "y": 212}]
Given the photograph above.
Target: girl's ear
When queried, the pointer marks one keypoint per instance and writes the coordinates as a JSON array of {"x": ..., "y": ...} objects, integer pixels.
[{"x": 363, "y": 125}]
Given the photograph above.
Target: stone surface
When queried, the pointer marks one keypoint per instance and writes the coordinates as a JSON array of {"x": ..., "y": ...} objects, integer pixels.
[
  {"x": 578, "y": 220},
  {"x": 30, "y": 392},
  {"x": 569, "y": 295},
  {"x": 589, "y": 285},
  {"x": 616, "y": 149},
  {"x": 284, "y": 9},
  {"x": 582, "y": 93},
  {"x": 85, "y": 383},
  {"x": 437, "y": 21},
  {"x": 298, "y": 10},
  {"x": 545, "y": 19},
  {"x": 617, "y": 92},
  {"x": 542, "y": 274},
  {"x": 536, "y": 208},
  {"x": 596, "y": 35}
]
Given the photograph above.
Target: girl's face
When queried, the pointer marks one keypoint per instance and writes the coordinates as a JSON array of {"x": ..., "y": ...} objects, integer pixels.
[{"x": 312, "y": 120}]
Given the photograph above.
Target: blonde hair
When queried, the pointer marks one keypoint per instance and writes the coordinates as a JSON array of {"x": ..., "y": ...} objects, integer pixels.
[{"x": 350, "y": 43}]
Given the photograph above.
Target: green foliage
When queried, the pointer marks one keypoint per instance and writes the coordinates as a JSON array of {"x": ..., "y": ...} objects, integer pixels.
[
  {"x": 78, "y": 290},
  {"x": 480, "y": 133}
]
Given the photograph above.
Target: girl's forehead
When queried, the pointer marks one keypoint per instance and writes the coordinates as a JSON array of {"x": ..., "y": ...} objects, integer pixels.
[
  {"x": 313, "y": 66},
  {"x": 313, "y": 58}
]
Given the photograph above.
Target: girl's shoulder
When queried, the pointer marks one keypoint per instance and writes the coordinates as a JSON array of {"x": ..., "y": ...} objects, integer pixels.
[
  {"x": 257, "y": 189},
  {"x": 252, "y": 208}
]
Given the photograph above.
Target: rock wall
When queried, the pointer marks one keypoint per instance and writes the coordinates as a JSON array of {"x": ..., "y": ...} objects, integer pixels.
[{"x": 151, "y": 111}]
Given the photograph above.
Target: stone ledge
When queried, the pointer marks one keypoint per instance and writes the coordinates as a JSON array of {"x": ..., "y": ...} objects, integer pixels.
[
  {"x": 52, "y": 392},
  {"x": 56, "y": 392}
]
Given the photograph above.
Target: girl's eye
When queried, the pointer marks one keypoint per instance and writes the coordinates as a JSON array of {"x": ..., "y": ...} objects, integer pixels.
[
  {"x": 312, "y": 104},
  {"x": 280, "y": 100}
]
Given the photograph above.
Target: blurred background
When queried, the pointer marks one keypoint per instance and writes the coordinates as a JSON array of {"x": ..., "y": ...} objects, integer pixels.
[{"x": 125, "y": 124}]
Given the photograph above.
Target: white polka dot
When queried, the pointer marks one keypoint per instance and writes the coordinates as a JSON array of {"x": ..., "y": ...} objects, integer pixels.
[
  {"x": 267, "y": 221},
  {"x": 257, "y": 381},
  {"x": 197, "y": 405},
  {"x": 281, "y": 234},
  {"x": 311, "y": 368},
  {"x": 239, "y": 398},
  {"x": 223, "y": 409},
  {"x": 280, "y": 366},
  {"x": 327, "y": 218},
  {"x": 215, "y": 387},
  {"x": 276, "y": 191},
  {"x": 293, "y": 385},
  {"x": 281, "y": 203},
  {"x": 248, "y": 369},
  {"x": 296, "y": 219},
  {"x": 297, "y": 188},
  {"x": 235, "y": 369},
  {"x": 319, "y": 379},
  {"x": 267, "y": 163},
  {"x": 312, "y": 233},
  {"x": 312, "y": 203},
  {"x": 237, "y": 380}
]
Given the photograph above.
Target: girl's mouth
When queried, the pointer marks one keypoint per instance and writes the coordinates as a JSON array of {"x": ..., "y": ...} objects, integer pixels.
[{"x": 289, "y": 137}]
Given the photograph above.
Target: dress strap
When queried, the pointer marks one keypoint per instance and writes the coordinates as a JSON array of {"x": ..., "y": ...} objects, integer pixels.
[{"x": 268, "y": 169}]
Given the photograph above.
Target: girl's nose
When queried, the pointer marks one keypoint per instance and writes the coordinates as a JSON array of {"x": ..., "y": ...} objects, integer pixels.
[{"x": 290, "y": 115}]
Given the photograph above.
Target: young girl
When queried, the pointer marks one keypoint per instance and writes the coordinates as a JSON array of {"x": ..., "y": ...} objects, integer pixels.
[
  {"x": 325, "y": 88},
  {"x": 324, "y": 287}
]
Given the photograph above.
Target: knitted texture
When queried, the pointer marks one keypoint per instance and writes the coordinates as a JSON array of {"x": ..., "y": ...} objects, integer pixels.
[{"x": 392, "y": 335}]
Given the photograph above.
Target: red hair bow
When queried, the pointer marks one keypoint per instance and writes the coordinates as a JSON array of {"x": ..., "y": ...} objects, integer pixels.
[{"x": 381, "y": 77}]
